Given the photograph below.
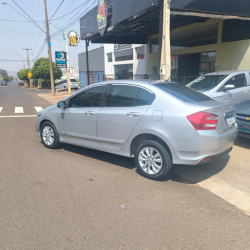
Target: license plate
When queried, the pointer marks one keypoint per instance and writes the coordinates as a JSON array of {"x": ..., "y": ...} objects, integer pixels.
[{"x": 230, "y": 120}]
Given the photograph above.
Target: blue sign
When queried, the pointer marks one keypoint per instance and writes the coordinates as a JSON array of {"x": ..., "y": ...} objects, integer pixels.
[{"x": 61, "y": 61}]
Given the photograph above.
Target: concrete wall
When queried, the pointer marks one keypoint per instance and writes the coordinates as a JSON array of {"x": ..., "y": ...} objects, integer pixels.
[
  {"x": 96, "y": 60},
  {"x": 232, "y": 55}
]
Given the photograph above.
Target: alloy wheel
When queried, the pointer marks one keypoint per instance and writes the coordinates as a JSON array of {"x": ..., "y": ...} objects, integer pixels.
[
  {"x": 48, "y": 135},
  {"x": 150, "y": 160}
]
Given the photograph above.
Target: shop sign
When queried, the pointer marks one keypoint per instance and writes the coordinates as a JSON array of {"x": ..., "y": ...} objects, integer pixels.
[
  {"x": 122, "y": 46},
  {"x": 73, "y": 38},
  {"x": 61, "y": 61},
  {"x": 102, "y": 16}
]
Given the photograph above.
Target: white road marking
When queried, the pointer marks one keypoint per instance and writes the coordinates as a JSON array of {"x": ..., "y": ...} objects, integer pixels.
[
  {"x": 18, "y": 116},
  {"x": 19, "y": 110},
  {"x": 1, "y": 109},
  {"x": 38, "y": 109}
]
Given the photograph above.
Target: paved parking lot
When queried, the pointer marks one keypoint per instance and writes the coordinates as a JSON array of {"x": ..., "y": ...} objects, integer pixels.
[{"x": 71, "y": 198}]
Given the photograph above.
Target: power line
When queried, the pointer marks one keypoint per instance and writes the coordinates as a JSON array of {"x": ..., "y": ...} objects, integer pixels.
[
  {"x": 9, "y": 20},
  {"x": 57, "y": 9},
  {"x": 16, "y": 31},
  {"x": 62, "y": 16},
  {"x": 29, "y": 16},
  {"x": 35, "y": 18},
  {"x": 67, "y": 24}
]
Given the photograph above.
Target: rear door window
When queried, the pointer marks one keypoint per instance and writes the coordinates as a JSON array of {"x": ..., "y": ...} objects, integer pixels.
[
  {"x": 183, "y": 93},
  {"x": 122, "y": 96},
  {"x": 144, "y": 97}
]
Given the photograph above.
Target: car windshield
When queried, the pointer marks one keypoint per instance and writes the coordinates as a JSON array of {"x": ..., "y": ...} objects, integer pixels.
[
  {"x": 183, "y": 93},
  {"x": 73, "y": 80},
  {"x": 206, "y": 82}
]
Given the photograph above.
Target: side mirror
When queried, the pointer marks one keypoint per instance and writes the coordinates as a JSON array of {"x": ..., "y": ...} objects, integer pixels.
[
  {"x": 229, "y": 86},
  {"x": 61, "y": 105}
]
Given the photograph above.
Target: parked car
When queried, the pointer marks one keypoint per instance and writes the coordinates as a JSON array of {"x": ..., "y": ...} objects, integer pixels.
[
  {"x": 158, "y": 123},
  {"x": 63, "y": 85},
  {"x": 243, "y": 118},
  {"x": 20, "y": 83},
  {"x": 3, "y": 83},
  {"x": 231, "y": 86}
]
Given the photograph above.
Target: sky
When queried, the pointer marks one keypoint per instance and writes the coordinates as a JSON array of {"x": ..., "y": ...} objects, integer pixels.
[{"x": 19, "y": 33}]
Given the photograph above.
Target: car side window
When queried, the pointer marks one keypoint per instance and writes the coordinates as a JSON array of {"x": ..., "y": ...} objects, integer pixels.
[
  {"x": 144, "y": 97},
  {"x": 88, "y": 98},
  {"x": 238, "y": 81},
  {"x": 122, "y": 96}
]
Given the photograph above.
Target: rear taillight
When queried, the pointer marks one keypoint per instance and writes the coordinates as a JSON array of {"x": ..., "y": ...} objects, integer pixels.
[{"x": 203, "y": 121}]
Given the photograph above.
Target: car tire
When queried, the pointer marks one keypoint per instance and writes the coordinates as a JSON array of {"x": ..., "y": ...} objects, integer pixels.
[
  {"x": 50, "y": 136},
  {"x": 150, "y": 166},
  {"x": 65, "y": 88}
]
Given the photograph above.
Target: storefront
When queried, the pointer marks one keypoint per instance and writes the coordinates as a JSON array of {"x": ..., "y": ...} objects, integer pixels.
[{"x": 206, "y": 36}]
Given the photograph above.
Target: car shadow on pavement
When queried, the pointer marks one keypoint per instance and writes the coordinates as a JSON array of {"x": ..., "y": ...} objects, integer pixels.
[
  {"x": 121, "y": 161},
  {"x": 242, "y": 142},
  {"x": 180, "y": 173},
  {"x": 198, "y": 173}
]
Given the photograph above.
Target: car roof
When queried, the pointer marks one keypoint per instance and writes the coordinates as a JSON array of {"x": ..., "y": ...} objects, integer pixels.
[{"x": 228, "y": 72}]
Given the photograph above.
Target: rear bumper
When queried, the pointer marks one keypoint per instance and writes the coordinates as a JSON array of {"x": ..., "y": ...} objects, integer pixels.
[
  {"x": 204, "y": 144},
  {"x": 214, "y": 157}
]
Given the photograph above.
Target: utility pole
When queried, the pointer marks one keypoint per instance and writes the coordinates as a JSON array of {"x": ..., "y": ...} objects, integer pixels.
[
  {"x": 68, "y": 69},
  {"x": 28, "y": 61},
  {"x": 49, "y": 51},
  {"x": 166, "y": 50}
]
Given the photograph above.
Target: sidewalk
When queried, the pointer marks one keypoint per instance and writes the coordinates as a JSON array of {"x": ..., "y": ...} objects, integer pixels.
[
  {"x": 55, "y": 99},
  {"x": 228, "y": 177}
]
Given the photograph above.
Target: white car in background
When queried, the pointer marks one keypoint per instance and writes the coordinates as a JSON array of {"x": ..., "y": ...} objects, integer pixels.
[
  {"x": 233, "y": 86},
  {"x": 63, "y": 85}
]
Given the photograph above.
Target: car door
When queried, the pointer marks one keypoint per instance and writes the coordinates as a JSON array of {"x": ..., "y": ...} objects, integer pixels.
[
  {"x": 240, "y": 92},
  {"x": 77, "y": 122},
  {"x": 123, "y": 109}
]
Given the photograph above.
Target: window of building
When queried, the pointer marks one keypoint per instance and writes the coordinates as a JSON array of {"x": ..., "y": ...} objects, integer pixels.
[
  {"x": 124, "y": 71},
  {"x": 109, "y": 55},
  {"x": 124, "y": 55},
  {"x": 154, "y": 45},
  {"x": 88, "y": 98},
  {"x": 207, "y": 62},
  {"x": 140, "y": 52}
]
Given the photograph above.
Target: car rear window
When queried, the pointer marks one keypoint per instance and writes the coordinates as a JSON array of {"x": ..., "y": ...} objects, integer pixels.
[
  {"x": 183, "y": 93},
  {"x": 73, "y": 80}
]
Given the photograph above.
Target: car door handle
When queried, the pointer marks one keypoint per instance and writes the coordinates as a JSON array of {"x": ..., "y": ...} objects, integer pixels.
[
  {"x": 90, "y": 113},
  {"x": 247, "y": 92},
  {"x": 133, "y": 114}
]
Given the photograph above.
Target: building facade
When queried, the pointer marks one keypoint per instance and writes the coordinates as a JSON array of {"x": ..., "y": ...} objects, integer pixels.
[
  {"x": 124, "y": 61},
  {"x": 96, "y": 66}
]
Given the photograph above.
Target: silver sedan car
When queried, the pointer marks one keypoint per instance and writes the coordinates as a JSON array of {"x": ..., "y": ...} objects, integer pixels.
[
  {"x": 158, "y": 123},
  {"x": 233, "y": 86}
]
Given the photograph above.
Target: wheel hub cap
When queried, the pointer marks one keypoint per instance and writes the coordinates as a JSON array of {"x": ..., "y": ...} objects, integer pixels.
[
  {"x": 150, "y": 160},
  {"x": 48, "y": 135}
]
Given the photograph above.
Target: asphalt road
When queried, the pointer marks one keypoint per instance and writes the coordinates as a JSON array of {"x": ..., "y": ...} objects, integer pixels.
[{"x": 70, "y": 198}]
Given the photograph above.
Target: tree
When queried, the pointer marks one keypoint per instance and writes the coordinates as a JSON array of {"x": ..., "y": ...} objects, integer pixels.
[
  {"x": 6, "y": 78},
  {"x": 41, "y": 70},
  {"x": 23, "y": 75}
]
